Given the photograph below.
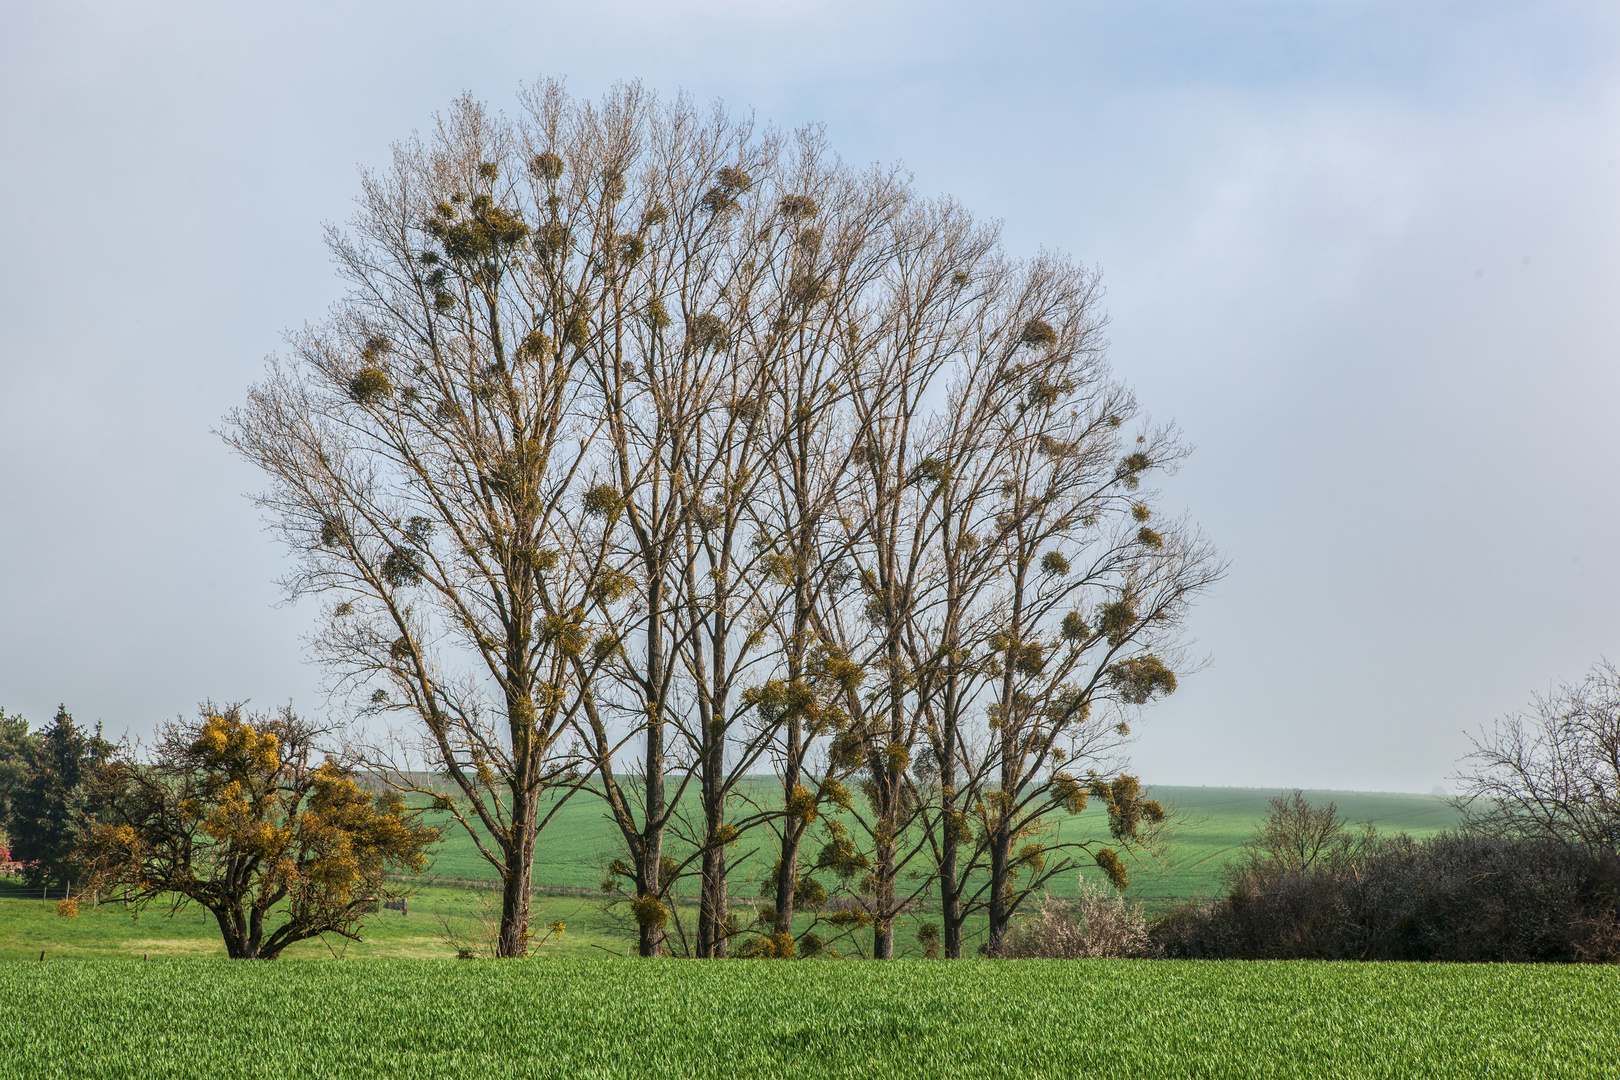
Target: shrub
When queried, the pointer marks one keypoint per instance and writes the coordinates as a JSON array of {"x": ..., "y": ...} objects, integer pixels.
[
  {"x": 1097, "y": 923},
  {"x": 1466, "y": 897}
]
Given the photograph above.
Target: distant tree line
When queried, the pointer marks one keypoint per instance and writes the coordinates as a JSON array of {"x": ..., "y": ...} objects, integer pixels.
[
  {"x": 651, "y": 449},
  {"x": 1510, "y": 885},
  {"x": 227, "y": 812},
  {"x": 1533, "y": 874}
]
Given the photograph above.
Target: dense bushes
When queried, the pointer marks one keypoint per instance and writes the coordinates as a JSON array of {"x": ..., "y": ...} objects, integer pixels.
[{"x": 1458, "y": 896}]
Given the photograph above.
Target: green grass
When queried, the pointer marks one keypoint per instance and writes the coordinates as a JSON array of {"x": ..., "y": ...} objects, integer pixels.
[
  {"x": 1001, "y": 1019},
  {"x": 573, "y": 850},
  {"x": 576, "y": 845},
  {"x": 29, "y": 925}
]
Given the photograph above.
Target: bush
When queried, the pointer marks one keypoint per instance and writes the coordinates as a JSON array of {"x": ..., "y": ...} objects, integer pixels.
[
  {"x": 1456, "y": 897},
  {"x": 1097, "y": 923}
]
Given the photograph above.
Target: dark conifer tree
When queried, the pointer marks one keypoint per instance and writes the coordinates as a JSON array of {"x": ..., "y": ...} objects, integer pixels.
[{"x": 50, "y": 810}]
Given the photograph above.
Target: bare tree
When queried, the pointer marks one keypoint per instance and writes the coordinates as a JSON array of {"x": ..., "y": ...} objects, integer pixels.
[
  {"x": 650, "y": 446},
  {"x": 1098, "y": 922},
  {"x": 1055, "y": 610},
  {"x": 423, "y": 446},
  {"x": 1298, "y": 837},
  {"x": 843, "y": 234},
  {"x": 677, "y": 359},
  {"x": 1554, "y": 771}
]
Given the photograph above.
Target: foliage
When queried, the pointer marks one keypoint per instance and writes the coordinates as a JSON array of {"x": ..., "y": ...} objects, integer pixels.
[
  {"x": 230, "y": 814},
  {"x": 1004, "y": 1021},
  {"x": 53, "y": 809},
  {"x": 1458, "y": 897},
  {"x": 16, "y": 748}
]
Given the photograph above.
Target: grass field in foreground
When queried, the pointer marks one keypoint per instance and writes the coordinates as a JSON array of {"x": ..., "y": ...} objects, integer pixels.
[{"x": 655, "y": 1019}]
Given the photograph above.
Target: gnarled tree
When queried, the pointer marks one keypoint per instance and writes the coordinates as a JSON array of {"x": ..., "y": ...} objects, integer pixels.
[{"x": 231, "y": 813}]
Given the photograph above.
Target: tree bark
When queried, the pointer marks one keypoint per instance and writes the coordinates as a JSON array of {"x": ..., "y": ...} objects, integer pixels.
[
  {"x": 650, "y": 936},
  {"x": 513, "y": 937},
  {"x": 949, "y": 892}
]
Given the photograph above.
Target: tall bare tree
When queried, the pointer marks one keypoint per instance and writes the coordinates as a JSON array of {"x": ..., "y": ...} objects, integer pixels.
[
  {"x": 422, "y": 446},
  {"x": 1093, "y": 597},
  {"x": 983, "y": 522},
  {"x": 675, "y": 346},
  {"x": 843, "y": 233}
]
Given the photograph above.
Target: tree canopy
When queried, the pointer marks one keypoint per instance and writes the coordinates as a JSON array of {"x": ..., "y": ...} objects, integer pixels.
[
  {"x": 56, "y": 801},
  {"x": 16, "y": 748},
  {"x": 231, "y": 813}
]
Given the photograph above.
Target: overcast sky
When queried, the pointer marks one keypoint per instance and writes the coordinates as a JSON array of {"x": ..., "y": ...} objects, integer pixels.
[{"x": 1364, "y": 254}]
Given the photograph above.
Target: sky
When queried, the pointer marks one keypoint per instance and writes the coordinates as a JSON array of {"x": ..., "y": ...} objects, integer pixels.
[{"x": 1364, "y": 254}]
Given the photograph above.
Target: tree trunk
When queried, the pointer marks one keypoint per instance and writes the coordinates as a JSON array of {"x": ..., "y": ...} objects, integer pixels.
[
  {"x": 950, "y": 898},
  {"x": 243, "y": 934},
  {"x": 650, "y": 941},
  {"x": 883, "y": 872},
  {"x": 236, "y": 945},
  {"x": 712, "y": 913},
  {"x": 712, "y": 909},
  {"x": 793, "y": 828},
  {"x": 513, "y": 937},
  {"x": 883, "y": 927},
  {"x": 1000, "y": 849},
  {"x": 787, "y": 874},
  {"x": 1001, "y": 834}
]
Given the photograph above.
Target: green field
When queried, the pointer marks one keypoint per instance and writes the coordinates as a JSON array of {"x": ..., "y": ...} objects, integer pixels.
[
  {"x": 1221, "y": 820},
  {"x": 29, "y": 926},
  {"x": 580, "y": 840},
  {"x": 455, "y": 899},
  {"x": 1001, "y": 1019}
]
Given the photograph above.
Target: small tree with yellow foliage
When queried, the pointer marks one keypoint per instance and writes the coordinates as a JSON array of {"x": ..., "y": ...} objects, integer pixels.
[{"x": 229, "y": 813}]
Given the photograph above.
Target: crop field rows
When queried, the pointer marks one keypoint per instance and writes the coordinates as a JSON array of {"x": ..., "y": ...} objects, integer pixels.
[{"x": 1002, "y": 1019}]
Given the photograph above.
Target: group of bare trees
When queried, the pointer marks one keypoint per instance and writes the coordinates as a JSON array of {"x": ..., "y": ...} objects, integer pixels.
[{"x": 651, "y": 450}]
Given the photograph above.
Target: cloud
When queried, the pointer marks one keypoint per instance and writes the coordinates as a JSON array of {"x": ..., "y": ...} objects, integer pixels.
[{"x": 1313, "y": 220}]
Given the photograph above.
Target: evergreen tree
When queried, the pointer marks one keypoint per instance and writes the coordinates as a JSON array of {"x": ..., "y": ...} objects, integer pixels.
[
  {"x": 15, "y": 745},
  {"x": 50, "y": 810}
]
